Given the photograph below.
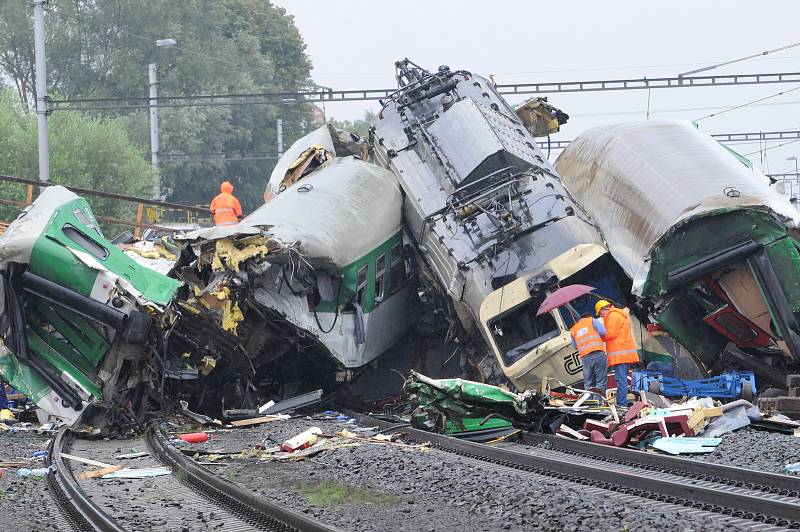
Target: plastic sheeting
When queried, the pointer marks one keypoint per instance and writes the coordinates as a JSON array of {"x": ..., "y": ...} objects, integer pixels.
[{"x": 639, "y": 180}]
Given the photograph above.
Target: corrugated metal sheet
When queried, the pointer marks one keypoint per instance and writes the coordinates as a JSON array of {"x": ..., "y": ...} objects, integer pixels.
[{"x": 638, "y": 180}]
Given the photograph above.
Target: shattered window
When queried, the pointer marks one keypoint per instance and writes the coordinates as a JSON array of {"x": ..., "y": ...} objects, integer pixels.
[
  {"x": 520, "y": 331},
  {"x": 397, "y": 270},
  {"x": 380, "y": 271},
  {"x": 85, "y": 242},
  {"x": 362, "y": 284}
]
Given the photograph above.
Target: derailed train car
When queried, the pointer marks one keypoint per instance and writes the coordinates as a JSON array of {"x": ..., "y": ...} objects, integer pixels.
[
  {"x": 493, "y": 227},
  {"x": 83, "y": 324},
  {"x": 304, "y": 291},
  {"x": 710, "y": 249}
]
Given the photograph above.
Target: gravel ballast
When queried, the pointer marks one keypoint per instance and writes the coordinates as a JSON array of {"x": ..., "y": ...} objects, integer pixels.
[
  {"x": 25, "y": 503},
  {"x": 373, "y": 487},
  {"x": 755, "y": 449}
]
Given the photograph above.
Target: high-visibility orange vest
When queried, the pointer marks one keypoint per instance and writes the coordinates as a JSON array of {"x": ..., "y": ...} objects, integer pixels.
[
  {"x": 225, "y": 207},
  {"x": 586, "y": 337},
  {"x": 620, "y": 345}
]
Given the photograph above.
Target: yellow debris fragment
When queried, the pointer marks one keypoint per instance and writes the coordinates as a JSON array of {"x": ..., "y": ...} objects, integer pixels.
[
  {"x": 207, "y": 364},
  {"x": 234, "y": 256},
  {"x": 231, "y": 317}
]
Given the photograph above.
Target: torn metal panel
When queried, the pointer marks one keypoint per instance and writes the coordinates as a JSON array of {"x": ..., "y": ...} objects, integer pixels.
[
  {"x": 307, "y": 153},
  {"x": 455, "y": 405}
]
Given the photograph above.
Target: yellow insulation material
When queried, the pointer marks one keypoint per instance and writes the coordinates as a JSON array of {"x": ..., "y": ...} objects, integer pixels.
[
  {"x": 231, "y": 317},
  {"x": 234, "y": 256}
]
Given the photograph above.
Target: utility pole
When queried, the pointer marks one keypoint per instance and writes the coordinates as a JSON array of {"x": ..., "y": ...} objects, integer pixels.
[
  {"x": 280, "y": 136},
  {"x": 41, "y": 88},
  {"x": 153, "y": 81}
]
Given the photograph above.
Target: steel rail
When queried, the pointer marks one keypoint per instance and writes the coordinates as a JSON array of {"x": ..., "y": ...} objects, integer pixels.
[
  {"x": 719, "y": 499},
  {"x": 79, "y": 509},
  {"x": 258, "y": 511},
  {"x": 752, "y": 479}
]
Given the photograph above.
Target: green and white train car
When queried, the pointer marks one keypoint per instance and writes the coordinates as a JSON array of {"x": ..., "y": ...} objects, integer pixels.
[{"x": 79, "y": 319}]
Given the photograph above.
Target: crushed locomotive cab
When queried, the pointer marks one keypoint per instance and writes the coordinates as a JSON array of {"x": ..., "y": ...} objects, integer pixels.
[{"x": 83, "y": 324}]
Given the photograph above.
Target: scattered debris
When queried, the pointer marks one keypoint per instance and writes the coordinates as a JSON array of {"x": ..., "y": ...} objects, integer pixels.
[
  {"x": 259, "y": 420},
  {"x": 86, "y": 461},
  {"x": 729, "y": 385},
  {"x": 131, "y": 455},
  {"x": 98, "y": 473},
  {"x": 145, "y": 472},
  {"x": 194, "y": 437},
  {"x": 38, "y": 472},
  {"x": 675, "y": 445},
  {"x": 303, "y": 440}
]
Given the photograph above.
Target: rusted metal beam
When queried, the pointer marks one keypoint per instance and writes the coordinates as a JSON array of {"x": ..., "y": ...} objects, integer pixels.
[{"x": 108, "y": 195}]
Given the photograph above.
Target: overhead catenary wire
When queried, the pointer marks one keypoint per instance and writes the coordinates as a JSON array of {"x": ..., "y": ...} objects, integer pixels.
[
  {"x": 748, "y": 103},
  {"x": 772, "y": 147},
  {"x": 730, "y": 62}
]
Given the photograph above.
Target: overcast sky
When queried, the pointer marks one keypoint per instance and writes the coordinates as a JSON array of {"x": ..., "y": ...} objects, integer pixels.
[{"x": 353, "y": 44}]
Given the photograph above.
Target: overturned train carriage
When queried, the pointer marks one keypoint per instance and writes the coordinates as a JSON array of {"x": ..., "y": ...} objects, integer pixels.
[
  {"x": 492, "y": 224},
  {"x": 710, "y": 249},
  {"x": 82, "y": 323}
]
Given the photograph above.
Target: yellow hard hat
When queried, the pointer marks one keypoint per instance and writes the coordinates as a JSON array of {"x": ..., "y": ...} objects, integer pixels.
[{"x": 600, "y": 305}]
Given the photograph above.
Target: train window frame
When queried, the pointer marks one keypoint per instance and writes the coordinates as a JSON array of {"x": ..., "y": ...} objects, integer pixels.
[
  {"x": 84, "y": 241},
  {"x": 397, "y": 267},
  {"x": 380, "y": 274},
  {"x": 361, "y": 286}
]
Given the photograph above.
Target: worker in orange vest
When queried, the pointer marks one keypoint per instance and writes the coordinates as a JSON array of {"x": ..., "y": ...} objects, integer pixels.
[
  {"x": 225, "y": 207},
  {"x": 587, "y": 338},
  {"x": 620, "y": 345}
]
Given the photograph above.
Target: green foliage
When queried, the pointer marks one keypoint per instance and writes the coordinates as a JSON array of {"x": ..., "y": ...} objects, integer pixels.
[
  {"x": 333, "y": 495},
  {"x": 85, "y": 152},
  {"x": 102, "y": 49},
  {"x": 359, "y": 127}
]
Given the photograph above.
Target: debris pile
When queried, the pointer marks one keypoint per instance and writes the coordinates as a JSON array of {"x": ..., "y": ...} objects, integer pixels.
[{"x": 694, "y": 425}]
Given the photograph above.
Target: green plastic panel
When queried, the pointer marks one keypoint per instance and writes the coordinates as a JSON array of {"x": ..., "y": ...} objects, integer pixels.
[
  {"x": 52, "y": 260},
  {"x": 691, "y": 241}
]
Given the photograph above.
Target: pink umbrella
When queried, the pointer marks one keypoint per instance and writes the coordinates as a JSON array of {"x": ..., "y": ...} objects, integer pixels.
[{"x": 562, "y": 296}]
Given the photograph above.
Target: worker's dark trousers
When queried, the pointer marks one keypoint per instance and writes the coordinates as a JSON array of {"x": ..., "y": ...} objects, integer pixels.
[
  {"x": 595, "y": 371},
  {"x": 621, "y": 376}
]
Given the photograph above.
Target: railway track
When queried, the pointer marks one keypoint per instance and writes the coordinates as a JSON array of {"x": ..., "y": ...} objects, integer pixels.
[
  {"x": 753, "y": 496},
  {"x": 193, "y": 497}
]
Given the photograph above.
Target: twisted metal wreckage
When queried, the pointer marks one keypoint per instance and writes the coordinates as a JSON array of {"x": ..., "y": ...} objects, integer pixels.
[{"x": 447, "y": 221}]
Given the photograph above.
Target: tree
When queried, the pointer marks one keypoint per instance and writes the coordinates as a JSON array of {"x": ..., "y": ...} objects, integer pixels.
[
  {"x": 359, "y": 127},
  {"x": 87, "y": 152},
  {"x": 101, "y": 49}
]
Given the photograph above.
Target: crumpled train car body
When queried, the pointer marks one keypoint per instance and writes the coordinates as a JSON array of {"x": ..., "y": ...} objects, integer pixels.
[
  {"x": 80, "y": 320},
  {"x": 708, "y": 246},
  {"x": 494, "y": 228},
  {"x": 311, "y": 283}
]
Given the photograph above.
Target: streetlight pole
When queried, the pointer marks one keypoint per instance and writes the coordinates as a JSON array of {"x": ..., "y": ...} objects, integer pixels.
[
  {"x": 152, "y": 72},
  {"x": 41, "y": 88},
  {"x": 152, "y": 78}
]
